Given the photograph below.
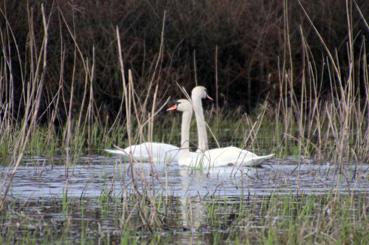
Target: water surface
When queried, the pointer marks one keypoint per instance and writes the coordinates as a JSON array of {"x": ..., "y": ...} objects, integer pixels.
[
  {"x": 96, "y": 200},
  {"x": 91, "y": 175}
]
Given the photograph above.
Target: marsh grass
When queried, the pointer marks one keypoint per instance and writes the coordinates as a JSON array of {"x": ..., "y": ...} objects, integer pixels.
[{"x": 278, "y": 219}]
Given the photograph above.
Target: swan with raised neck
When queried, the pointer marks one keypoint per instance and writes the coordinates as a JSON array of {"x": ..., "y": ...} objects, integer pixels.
[
  {"x": 218, "y": 156},
  {"x": 197, "y": 94}
]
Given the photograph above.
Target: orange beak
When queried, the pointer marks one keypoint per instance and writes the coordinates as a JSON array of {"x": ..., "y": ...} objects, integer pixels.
[
  {"x": 172, "y": 108},
  {"x": 209, "y": 98}
]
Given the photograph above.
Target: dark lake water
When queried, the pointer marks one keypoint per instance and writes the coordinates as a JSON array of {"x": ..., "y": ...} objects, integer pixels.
[{"x": 40, "y": 184}]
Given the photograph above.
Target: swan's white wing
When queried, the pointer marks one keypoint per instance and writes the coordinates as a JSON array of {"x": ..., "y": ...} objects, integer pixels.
[
  {"x": 149, "y": 152},
  {"x": 233, "y": 155},
  {"x": 157, "y": 152},
  {"x": 227, "y": 155}
]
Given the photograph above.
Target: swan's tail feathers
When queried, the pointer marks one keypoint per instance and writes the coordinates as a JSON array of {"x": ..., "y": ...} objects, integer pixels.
[
  {"x": 116, "y": 152},
  {"x": 257, "y": 161},
  {"x": 120, "y": 152},
  {"x": 127, "y": 156}
]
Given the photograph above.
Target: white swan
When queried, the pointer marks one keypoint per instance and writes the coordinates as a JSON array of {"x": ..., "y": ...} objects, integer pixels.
[
  {"x": 153, "y": 152},
  {"x": 148, "y": 152},
  {"x": 157, "y": 152},
  {"x": 215, "y": 157}
]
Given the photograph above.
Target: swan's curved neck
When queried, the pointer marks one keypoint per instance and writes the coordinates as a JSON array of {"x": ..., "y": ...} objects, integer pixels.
[
  {"x": 185, "y": 129},
  {"x": 201, "y": 124},
  {"x": 184, "y": 149}
]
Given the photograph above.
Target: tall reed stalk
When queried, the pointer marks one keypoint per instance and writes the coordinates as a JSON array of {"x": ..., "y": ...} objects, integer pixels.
[
  {"x": 321, "y": 124},
  {"x": 32, "y": 88}
]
